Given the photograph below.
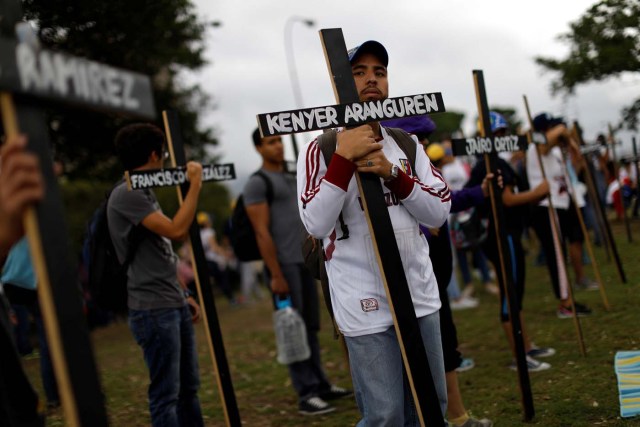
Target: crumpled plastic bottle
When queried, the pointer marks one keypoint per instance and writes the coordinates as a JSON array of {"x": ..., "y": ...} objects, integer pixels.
[{"x": 291, "y": 333}]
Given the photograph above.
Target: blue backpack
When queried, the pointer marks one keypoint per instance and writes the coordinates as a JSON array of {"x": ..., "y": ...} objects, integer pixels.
[{"x": 106, "y": 276}]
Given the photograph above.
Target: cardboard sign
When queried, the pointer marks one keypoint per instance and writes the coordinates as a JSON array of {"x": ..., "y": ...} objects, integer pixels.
[
  {"x": 58, "y": 77},
  {"x": 487, "y": 145},
  {"x": 348, "y": 114},
  {"x": 171, "y": 177}
]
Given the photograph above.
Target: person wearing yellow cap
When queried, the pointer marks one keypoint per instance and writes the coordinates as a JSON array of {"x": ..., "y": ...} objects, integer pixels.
[{"x": 436, "y": 153}]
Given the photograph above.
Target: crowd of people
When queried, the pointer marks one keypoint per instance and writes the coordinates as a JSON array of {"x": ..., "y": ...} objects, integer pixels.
[{"x": 442, "y": 223}]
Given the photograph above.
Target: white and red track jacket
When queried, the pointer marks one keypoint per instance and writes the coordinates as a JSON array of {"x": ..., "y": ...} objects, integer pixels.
[{"x": 421, "y": 196}]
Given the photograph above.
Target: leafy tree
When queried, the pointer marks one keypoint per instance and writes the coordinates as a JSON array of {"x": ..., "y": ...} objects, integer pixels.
[
  {"x": 446, "y": 125},
  {"x": 604, "y": 42},
  {"x": 159, "y": 39}
]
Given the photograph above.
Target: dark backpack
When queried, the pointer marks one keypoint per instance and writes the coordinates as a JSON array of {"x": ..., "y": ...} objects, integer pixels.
[
  {"x": 468, "y": 229},
  {"x": 312, "y": 247},
  {"x": 106, "y": 276},
  {"x": 241, "y": 233}
]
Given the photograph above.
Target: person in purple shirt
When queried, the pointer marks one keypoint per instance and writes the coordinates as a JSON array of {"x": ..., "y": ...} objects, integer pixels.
[{"x": 442, "y": 261}]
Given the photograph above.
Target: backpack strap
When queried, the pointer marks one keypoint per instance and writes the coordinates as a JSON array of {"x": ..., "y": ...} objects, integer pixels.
[
  {"x": 406, "y": 143},
  {"x": 136, "y": 235},
  {"x": 268, "y": 183},
  {"x": 327, "y": 143}
]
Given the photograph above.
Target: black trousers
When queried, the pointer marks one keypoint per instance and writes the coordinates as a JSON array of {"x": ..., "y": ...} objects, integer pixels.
[{"x": 18, "y": 400}]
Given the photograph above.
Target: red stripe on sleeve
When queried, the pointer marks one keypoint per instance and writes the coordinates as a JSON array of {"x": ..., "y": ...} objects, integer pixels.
[
  {"x": 340, "y": 171},
  {"x": 401, "y": 186}
]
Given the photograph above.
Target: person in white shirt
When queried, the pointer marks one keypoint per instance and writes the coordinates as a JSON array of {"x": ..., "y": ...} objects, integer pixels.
[
  {"x": 415, "y": 195},
  {"x": 557, "y": 134}
]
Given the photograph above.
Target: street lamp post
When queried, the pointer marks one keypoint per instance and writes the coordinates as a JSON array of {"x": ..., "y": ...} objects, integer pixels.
[{"x": 293, "y": 75}]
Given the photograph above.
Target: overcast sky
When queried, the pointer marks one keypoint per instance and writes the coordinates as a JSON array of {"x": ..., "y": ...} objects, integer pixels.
[{"x": 433, "y": 47}]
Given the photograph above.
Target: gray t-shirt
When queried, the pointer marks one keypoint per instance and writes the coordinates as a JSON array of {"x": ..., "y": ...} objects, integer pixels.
[
  {"x": 286, "y": 227},
  {"x": 153, "y": 281}
]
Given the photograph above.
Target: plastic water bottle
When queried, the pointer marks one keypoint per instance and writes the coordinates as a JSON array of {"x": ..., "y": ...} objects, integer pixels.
[{"x": 291, "y": 333}]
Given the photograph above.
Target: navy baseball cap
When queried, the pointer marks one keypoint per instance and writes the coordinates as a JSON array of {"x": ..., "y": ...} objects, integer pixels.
[
  {"x": 414, "y": 124},
  {"x": 545, "y": 121},
  {"x": 373, "y": 47}
]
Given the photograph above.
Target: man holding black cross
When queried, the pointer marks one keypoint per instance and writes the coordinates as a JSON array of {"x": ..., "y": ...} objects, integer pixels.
[
  {"x": 415, "y": 194},
  {"x": 160, "y": 311}
]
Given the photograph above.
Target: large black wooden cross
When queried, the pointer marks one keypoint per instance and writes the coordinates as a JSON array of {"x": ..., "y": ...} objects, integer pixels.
[
  {"x": 203, "y": 284},
  {"x": 30, "y": 78},
  {"x": 350, "y": 113},
  {"x": 489, "y": 146}
]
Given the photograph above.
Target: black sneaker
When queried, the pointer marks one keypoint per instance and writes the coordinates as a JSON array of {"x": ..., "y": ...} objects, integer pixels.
[
  {"x": 533, "y": 365},
  {"x": 335, "y": 393},
  {"x": 566, "y": 313},
  {"x": 541, "y": 351},
  {"x": 314, "y": 406}
]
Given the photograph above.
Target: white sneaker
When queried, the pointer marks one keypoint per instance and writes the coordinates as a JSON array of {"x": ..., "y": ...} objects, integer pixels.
[{"x": 463, "y": 303}]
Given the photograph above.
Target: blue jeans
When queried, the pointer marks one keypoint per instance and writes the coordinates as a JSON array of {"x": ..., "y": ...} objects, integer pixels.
[
  {"x": 168, "y": 342},
  {"x": 479, "y": 261},
  {"x": 382, "y": 392}
]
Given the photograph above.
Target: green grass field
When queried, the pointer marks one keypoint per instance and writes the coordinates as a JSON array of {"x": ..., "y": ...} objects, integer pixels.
[{"x": 576, "y": 391}]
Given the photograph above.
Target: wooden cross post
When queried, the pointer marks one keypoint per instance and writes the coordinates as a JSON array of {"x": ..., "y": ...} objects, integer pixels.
[
  {"x": 176, "y": 176},
  {"x": 489, "y": 146},
  {"x": 585, "y": 151},
  {"x": 601, "y": 213},
  {"x": 585, "y": 232},
  {"x": 616, "y": 171},
  {"x": 30, "y": 78},
  {"x": 555, "y": 231}
]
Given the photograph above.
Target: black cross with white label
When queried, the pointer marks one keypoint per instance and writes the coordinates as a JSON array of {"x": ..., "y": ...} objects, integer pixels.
[
  {"x": 350, "y": 114},
  {"x": 486, "y": 143},
  {"x": 29, "y": 79},
  {"x": 202, "y": 279}
]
